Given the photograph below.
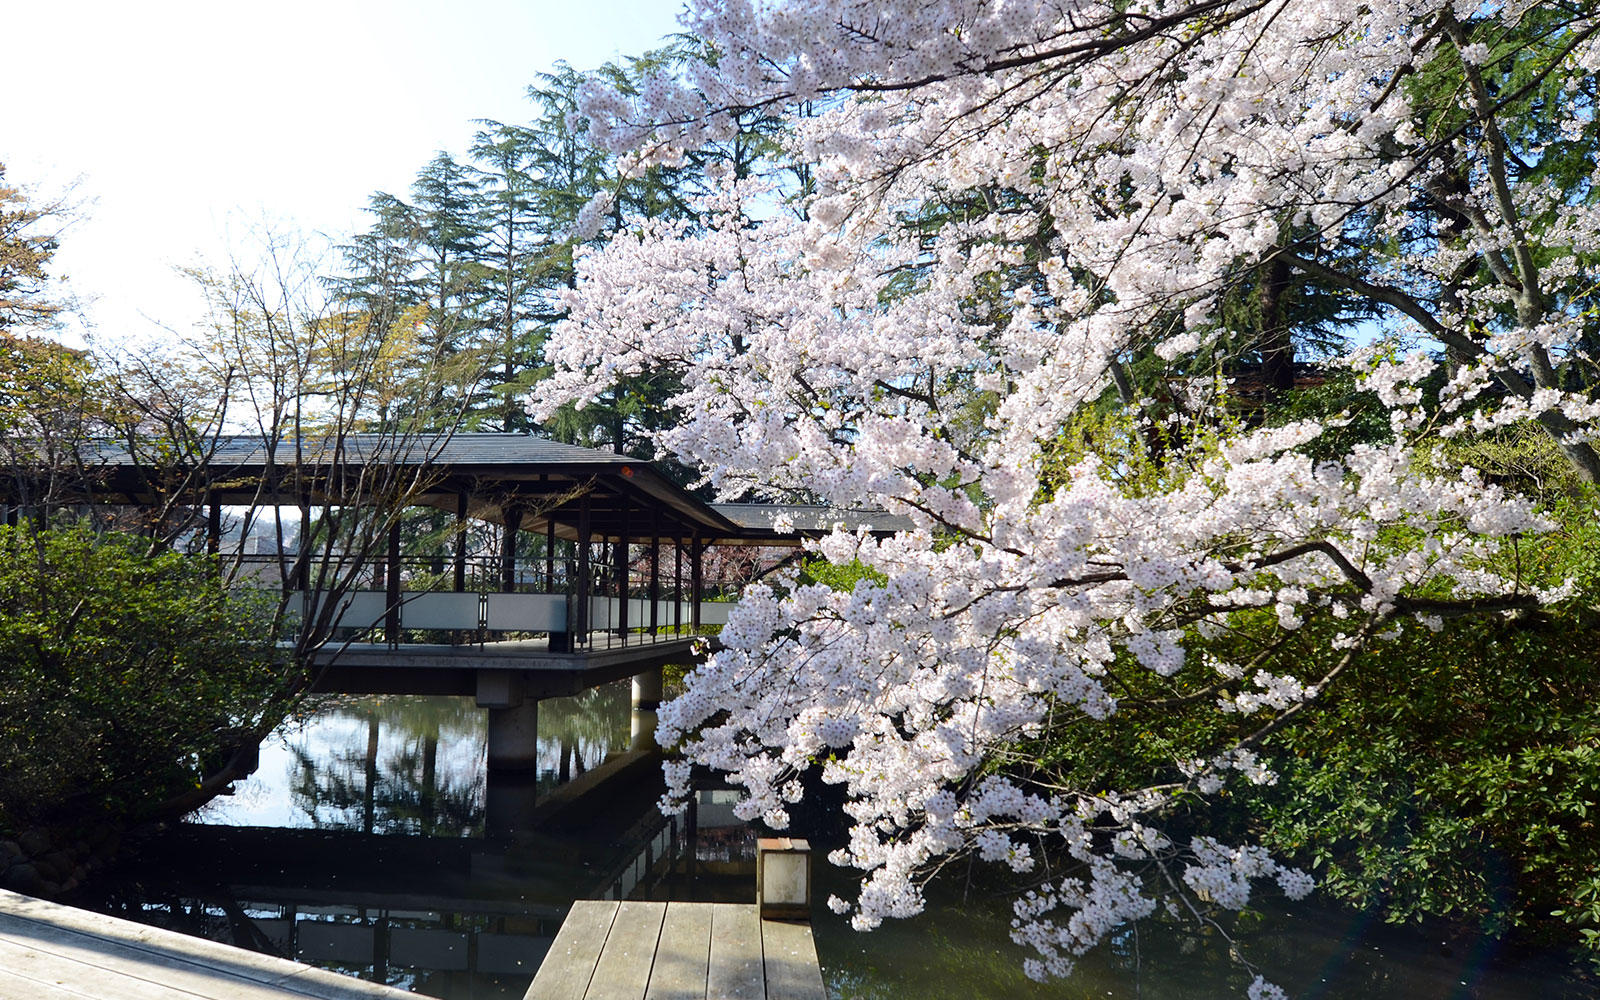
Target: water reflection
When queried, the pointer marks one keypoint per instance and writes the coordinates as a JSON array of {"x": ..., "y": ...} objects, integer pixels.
[
  {"x": 371, "y": 842},
  {"x": 1315, "y": 950},
  {"x": 410, "y": 765}
]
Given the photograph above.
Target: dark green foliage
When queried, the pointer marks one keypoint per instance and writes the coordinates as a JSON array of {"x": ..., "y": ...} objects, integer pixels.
[
  {"x": 1458, "y": 774},
  {"x": 124, "y": 677},
  {"x": 1364, "y": 419},
  {"x": 1451, "y": 773}
]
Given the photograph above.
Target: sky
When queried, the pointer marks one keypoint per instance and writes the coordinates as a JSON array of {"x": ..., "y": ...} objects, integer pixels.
[{"x": 183, "y": 128}]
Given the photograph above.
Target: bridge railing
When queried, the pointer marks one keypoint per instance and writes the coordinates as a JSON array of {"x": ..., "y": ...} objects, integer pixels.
[{"x": 426, "y": 610}]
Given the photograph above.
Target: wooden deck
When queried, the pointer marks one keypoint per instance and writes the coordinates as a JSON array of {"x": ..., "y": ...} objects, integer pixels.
[
  {"x": 677, "y": 951},
  {"x": 54, "y": 952}
]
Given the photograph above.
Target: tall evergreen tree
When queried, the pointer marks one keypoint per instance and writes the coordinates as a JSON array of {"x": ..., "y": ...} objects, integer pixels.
[{"x": 514, "y": 237}]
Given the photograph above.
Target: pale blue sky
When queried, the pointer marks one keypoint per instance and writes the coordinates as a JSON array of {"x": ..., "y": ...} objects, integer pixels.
[{"x": 189, "y": 122}]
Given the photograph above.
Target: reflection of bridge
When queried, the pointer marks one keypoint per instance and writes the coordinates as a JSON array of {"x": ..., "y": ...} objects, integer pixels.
[
  {"x": 463, "y": 915},
  {"x": 598, "y": 570}
]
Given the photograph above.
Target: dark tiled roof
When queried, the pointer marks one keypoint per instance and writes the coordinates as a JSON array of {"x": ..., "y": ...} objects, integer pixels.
[
  {"x": 461, "y": 449},
  {"x": 513, "y": 458},
  {"x": 810, "y": 518}
]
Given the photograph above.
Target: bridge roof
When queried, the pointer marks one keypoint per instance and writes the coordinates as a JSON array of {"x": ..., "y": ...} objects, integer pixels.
[
  {"x": 758, "y": 521},
  {"x": 461, "y": 449},
  {"x": 494, "y": 473},
  {"x": 497, "y": 472}
]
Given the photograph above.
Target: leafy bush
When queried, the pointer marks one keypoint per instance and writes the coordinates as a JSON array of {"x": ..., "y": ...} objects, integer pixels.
[
  {"x": 1458, "y": 774},
  {"x": 1451, "y": 774},
  {"x": 124, "y": 676}
]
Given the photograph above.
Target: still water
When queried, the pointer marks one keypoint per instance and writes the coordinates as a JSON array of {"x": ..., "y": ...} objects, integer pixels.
[{"x": 370, "y": 842}]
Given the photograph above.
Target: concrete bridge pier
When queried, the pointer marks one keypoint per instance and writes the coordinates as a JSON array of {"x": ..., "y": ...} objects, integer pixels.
[
  {"x": 646, "y": 699},
  {"x": 513, "y": 721}
]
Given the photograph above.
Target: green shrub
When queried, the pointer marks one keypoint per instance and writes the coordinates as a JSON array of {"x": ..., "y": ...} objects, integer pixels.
[{"x": 124, "y": 676}]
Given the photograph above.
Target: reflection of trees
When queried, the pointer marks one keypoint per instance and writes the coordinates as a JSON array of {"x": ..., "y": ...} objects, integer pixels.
[
  {"x": 393, "y": 783},
  {"x": 586, "y": 727},
  {"x": 454, "y": 719}
]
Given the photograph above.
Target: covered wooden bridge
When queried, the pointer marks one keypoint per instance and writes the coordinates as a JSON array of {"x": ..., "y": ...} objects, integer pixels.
[{"x": 598, "y": 569}]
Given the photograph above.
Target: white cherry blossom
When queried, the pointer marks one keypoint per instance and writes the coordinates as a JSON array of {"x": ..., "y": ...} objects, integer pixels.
[{"x": 1132, "y": 161}]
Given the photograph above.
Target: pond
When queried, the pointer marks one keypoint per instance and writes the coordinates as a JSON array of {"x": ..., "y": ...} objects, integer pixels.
[{"x": 370, "y": 842}]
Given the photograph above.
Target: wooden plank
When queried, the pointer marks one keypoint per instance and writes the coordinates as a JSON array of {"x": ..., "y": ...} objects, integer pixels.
[
  {"x": 228, "y": 972},
  {"x": 624, "y": 967},
  {"x": 683, "y": 956},
  {"x": 206, "y": 968},
  {"x": 569, "y": 965},
  {"x": 42, "y": 923},
  {"x": 735, "y": 971},
  {"x": 325, "y": 985},
  {"x": 790, "y": 958},
  {"x": 84, "y": 975},
  {"x": 17, "y": 987},
  {"x": 190, "y": 964}
]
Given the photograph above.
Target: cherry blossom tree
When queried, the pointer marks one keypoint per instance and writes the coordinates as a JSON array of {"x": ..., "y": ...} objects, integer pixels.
[{"x": 1100, "y": 177}]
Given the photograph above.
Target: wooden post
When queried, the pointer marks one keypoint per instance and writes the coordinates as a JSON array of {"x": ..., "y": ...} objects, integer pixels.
[
  {"x": 620, "y": 560},
  {"x": 302, "y": 569},
  {"x": 550, "y": 552},
  {"x": 655, "y": 568},
  {"x": 461, "y": 541},
  {"x": 677, "y": 584},
  {"x": 696, "y": 579},
  {"x": 508, "y": 548},
  {"x": 214, "y": 529},
  {"x": 391, "y": 614},
  {"x": 581, "y": 633}
]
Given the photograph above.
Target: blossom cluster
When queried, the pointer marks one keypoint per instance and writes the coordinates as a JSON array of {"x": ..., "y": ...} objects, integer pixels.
[{"x": 1111, "y": 186}]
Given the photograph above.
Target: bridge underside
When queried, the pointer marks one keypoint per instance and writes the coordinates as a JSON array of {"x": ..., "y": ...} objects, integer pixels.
[{"x": 498, "y": 674}]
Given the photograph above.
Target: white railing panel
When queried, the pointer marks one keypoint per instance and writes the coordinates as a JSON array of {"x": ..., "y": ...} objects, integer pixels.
[
  {"x": 353, "y": 609},
  {"x": 509, "y": 612},
  {"x": 528, "y": 612},
  {"x": 603, "y": 613},
  {"x": 712, "y": 612},
  {"x": 436, "y": 609}
]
